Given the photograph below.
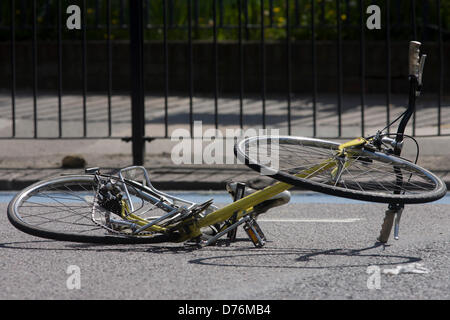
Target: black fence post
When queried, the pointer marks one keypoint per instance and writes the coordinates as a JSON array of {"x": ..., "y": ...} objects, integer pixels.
[{"x": 137, "y": 81}]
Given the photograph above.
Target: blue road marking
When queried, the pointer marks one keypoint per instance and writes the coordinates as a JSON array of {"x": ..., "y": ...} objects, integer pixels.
[
  {"x": 223, "y": 197},
  {"x": 304, "y": 197}
]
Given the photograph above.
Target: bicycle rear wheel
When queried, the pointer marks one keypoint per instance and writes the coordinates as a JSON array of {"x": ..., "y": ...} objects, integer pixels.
[
  {"x": 62, "y": 208},
  {"x": 368, "y": 175}
]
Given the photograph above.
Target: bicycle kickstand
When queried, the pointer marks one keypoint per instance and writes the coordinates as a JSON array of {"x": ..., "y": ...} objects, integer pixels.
[{"x": 392, "y": 217}]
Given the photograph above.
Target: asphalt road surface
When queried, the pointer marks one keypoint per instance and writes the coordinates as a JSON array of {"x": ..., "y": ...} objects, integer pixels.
[{"x": 315, "y": 250}]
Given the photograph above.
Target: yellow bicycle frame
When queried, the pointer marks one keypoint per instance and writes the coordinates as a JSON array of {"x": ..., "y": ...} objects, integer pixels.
[{"x": 190, "y": 228}]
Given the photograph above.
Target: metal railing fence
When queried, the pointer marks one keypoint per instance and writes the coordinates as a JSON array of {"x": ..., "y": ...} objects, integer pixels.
[{"x": 241, "y": 22}]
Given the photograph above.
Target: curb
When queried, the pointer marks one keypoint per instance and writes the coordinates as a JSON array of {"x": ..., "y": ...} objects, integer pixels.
[
  {"x": 17, "y": 185},
  {"x": 164, "y": 178}
]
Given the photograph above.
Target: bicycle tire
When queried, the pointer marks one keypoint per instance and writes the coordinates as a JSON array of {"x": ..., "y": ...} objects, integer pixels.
[
  {"x": 19, "y": 221},
  {"x": 302, "y": 149}
]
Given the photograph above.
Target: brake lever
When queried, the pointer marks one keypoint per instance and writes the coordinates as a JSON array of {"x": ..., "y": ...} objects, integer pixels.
[{"x": 420, "y": 74}]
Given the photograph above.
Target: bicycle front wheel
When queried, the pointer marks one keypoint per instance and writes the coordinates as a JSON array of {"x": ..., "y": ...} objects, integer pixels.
[
  {"x": 363, "y": 175},
  {"x": 62, "y": 208}
]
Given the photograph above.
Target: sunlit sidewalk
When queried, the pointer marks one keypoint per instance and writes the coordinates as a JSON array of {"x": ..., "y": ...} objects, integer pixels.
[{"x": 101, "y": 118}]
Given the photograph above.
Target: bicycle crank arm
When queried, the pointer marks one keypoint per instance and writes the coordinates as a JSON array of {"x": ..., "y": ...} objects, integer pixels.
[{"x": 229, "y": 229}]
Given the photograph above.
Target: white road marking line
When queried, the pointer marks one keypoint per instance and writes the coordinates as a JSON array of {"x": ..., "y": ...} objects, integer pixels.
[{"x": 347, "y": 220}]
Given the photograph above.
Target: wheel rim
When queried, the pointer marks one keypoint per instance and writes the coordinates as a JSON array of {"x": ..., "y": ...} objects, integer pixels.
[
  {"x": 59, "y": 207},
  {"x": 372, "y": 176},
  {"x": 62, "y": 209}
]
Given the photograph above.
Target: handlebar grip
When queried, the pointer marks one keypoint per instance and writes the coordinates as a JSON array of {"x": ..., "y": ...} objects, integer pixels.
[{"x": 414, "y": 58}]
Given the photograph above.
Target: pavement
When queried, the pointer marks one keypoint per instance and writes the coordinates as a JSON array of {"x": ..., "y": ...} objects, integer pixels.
[
  {"x": 314, "y": 251},
  {"x": 24, "y": 162}
]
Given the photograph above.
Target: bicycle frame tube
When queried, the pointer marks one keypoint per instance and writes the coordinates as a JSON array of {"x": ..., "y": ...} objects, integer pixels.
[
  {"x": 251, "y": 200},
  {"x": 138, "y": 220},
  {"x": 260, "y": 196},
  {"x": 243, "y": 205}
]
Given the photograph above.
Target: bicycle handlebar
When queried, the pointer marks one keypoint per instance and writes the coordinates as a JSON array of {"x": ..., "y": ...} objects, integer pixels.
[{"x": 416, "y": 64}]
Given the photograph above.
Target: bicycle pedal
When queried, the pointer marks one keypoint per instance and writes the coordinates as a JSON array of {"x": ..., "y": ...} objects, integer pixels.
[
  {"x": 255, "y": 233},
  {"x": 213, "y": 239}
]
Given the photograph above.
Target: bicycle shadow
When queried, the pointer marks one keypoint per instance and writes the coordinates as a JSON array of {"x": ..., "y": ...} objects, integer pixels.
[
  {"x": 240, "y": 256},
  {"x": 47, "y": 245},
  {"x": 55, "y": 245},
  {"x": 307, "y": 258}
]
